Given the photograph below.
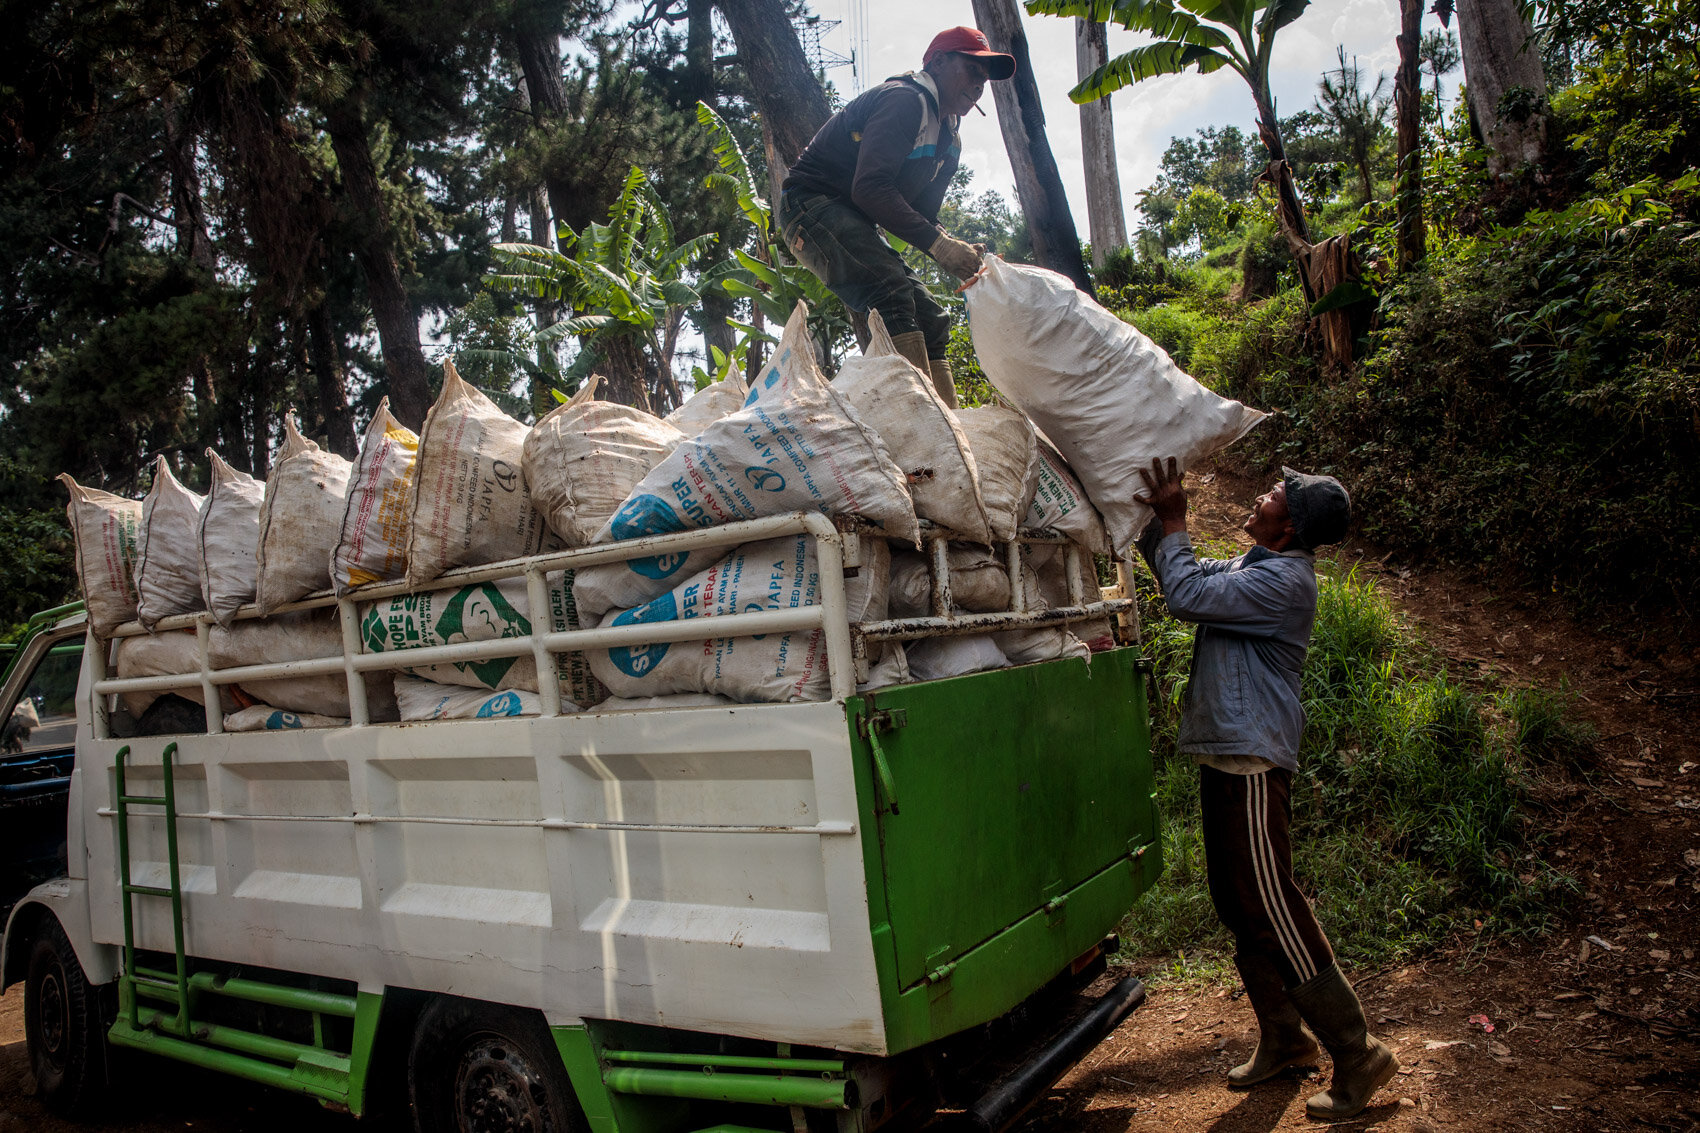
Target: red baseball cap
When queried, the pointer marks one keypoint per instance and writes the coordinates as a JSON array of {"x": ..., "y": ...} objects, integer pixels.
[{"x": 970, "y": 41}]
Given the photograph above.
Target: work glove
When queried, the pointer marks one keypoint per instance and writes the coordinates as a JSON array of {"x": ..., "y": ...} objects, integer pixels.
[{"x": 959, "y": 258}]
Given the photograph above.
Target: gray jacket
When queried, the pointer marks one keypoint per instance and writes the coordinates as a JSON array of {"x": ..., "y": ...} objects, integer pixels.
[{"x": 1254, "y": 616}]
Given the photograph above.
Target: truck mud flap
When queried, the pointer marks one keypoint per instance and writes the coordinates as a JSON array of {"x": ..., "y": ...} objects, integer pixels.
[{"x": 999, "y": 1107}]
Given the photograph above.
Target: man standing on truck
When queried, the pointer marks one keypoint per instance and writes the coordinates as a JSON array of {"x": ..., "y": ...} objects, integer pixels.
[
  {"x": 1241, "y": 725},
  {"x": 886, "y": 159}
]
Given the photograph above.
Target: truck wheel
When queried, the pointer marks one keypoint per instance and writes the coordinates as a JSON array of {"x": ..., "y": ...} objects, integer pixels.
[
  {"x": 484, "y": 1068},
  {"x": 62, "y": 1025}
]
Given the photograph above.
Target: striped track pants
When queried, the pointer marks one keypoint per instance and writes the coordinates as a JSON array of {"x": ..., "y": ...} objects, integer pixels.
[{"x": 1248, "y": 852}]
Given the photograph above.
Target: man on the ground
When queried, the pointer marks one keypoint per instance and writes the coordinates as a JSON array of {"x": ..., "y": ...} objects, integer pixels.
[{"x": 1241, "y": 724}]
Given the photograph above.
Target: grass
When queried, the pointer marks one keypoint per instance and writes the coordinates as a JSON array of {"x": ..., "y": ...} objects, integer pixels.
[{"x": 1409, "y": 808}]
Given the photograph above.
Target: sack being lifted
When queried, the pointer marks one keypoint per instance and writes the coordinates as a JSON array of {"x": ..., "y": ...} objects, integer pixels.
[{"x": 1106, "y": 395}]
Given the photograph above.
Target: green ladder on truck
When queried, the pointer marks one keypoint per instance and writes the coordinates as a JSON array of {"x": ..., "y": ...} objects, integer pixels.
[{"x": 335, "y": 1077}]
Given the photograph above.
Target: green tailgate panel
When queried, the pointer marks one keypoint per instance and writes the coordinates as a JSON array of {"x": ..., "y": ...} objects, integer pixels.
[{"x": 1024, "y": 830}]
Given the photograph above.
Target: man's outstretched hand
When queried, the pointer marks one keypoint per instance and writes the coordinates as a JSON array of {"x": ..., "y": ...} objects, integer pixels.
[{"x": 1165, "y": 494}]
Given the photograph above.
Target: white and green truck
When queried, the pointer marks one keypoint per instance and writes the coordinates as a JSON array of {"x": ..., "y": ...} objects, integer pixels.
[{"x": 840, "y": 915}]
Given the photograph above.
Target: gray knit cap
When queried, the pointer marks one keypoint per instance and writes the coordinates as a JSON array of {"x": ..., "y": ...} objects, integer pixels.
[{"x": 1320, "y": 508}]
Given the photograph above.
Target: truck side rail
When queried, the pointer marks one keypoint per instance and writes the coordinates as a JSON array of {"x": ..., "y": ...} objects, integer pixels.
[{"x": 837, "y": 548}]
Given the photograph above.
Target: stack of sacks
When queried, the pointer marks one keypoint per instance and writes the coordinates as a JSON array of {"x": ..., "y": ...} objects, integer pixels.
[
  {"x": 300, "y": 520},
  {"x": 774, "y": 574},
  {"x": 801, "y": 448},
  {"x": 372, "y": 541},
  {"x": 923, "y": 434},
  {"x": 469, "y": 503},
  {"x": 1106, "y": 395},
  {"x": 104, "y": 527},
  {"x": 168, "y": 567},
  {"x": 583, "y": 460},
  {"x": 708, "y": 405},
  {"x": 486, "y": 611},
  {"x": 299, "y": 636}
]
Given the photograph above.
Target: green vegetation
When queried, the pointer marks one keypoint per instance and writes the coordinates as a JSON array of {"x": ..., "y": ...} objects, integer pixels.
[{"x": 1409, "y": 809}]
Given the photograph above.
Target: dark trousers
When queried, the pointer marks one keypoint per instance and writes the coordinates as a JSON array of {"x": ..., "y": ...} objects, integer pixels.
[
  {"x": 1248, "y": 852},
  {"x": 840, "y": 245}
]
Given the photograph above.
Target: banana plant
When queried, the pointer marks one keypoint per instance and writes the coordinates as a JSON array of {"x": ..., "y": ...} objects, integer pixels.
[
  {"x": 772, "y": 282},
  {"x": 1208, "y": 35},
  {"x": 625, "y": 283}
]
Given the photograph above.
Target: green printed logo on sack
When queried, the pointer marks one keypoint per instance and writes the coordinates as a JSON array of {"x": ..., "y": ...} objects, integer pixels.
[
  {"x": 636, "y": 660},
  {"x": 472, "y": 613},
  {"x": 282, "y": 721},
  {"x": 764, "y": 479},
  {"x": 649, "y": 515}
]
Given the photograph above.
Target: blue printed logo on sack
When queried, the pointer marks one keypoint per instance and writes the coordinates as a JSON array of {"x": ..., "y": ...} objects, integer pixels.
[
  {"x": 506, "y": 704},
  {"x": 281, "y": 721},
  {"x": 649, "y": 515},
  {"x": 764, "y": 479},
  {"x": 767, "y": 381},
  {"x": 637, "y": 660}
]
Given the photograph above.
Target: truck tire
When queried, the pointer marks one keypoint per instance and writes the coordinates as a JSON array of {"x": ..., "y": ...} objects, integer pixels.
[
  {"x": 62, "y": 1025},
  {"x": 485, "y": 1068}
]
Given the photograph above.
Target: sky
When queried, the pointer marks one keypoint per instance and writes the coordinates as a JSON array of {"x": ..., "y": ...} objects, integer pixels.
[{"x": 1148, "y": 114}]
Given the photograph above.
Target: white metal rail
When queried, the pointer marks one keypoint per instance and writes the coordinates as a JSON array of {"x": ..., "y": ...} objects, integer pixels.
[{"x": 837, "y": 549}]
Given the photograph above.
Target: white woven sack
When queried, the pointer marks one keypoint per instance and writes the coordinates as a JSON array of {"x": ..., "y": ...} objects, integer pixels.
[
  {"x": 708, "y": 405},
  {"x": 1045, "y": 643},
  {"x": 1006, "y": 454},
  {"x": 228, "y": 537},
  {"x": 774, "y": 574},
  {"x": 1060, "y": 503},
  {"x": 299, "y": 636},
  {"x": 979, "y": 582},
  {"x": 373, "y": 542},
  {"x": 805, "y": 449},
  {"x": 168, "y": 565},
  {"x": 922, "y": 432},
  {"x": 266, "y": 718},
  {"x": 1107, "y": 396},
  {"x": 936, "y": 658},
  {"x": 299, "y": 520},
  {"x": 104, "y": 527},
  {"x": 487, "y": 611},
  {"x": 470, "y": 503},
  {"x": 1050, "y": 567},
  {"x": 428, "y": 700},
  {"x": 585, "y": 457}
]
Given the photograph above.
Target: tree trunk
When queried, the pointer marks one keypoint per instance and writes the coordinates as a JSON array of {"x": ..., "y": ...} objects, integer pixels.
[
  {"x": 717, "y": 307},
  {"x": 1106, "y": 219},
  {"x": 1499, "y": 57},
  {"x": 333, "y": 419},
  {"x": 187, "y": 209},
  {"x": 537, "y": 45},
  {"x": 625, "y": 370},
  {"x": 1021, "y": 118},
  {"x": 398, "y": 324},
  {"x": 1408, "y": 99},
  {"x": 787, "y": 94},
  {"x": 698, "y": 84}
]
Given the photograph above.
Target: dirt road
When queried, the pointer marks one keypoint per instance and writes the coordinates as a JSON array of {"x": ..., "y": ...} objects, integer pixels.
[{"x": 1586, "y": 1036}]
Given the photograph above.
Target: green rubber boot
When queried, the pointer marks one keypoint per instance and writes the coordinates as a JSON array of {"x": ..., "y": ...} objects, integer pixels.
[
  {"x": 1362, "y": 1063},
  {"x": 1282, "y": 1040}
]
